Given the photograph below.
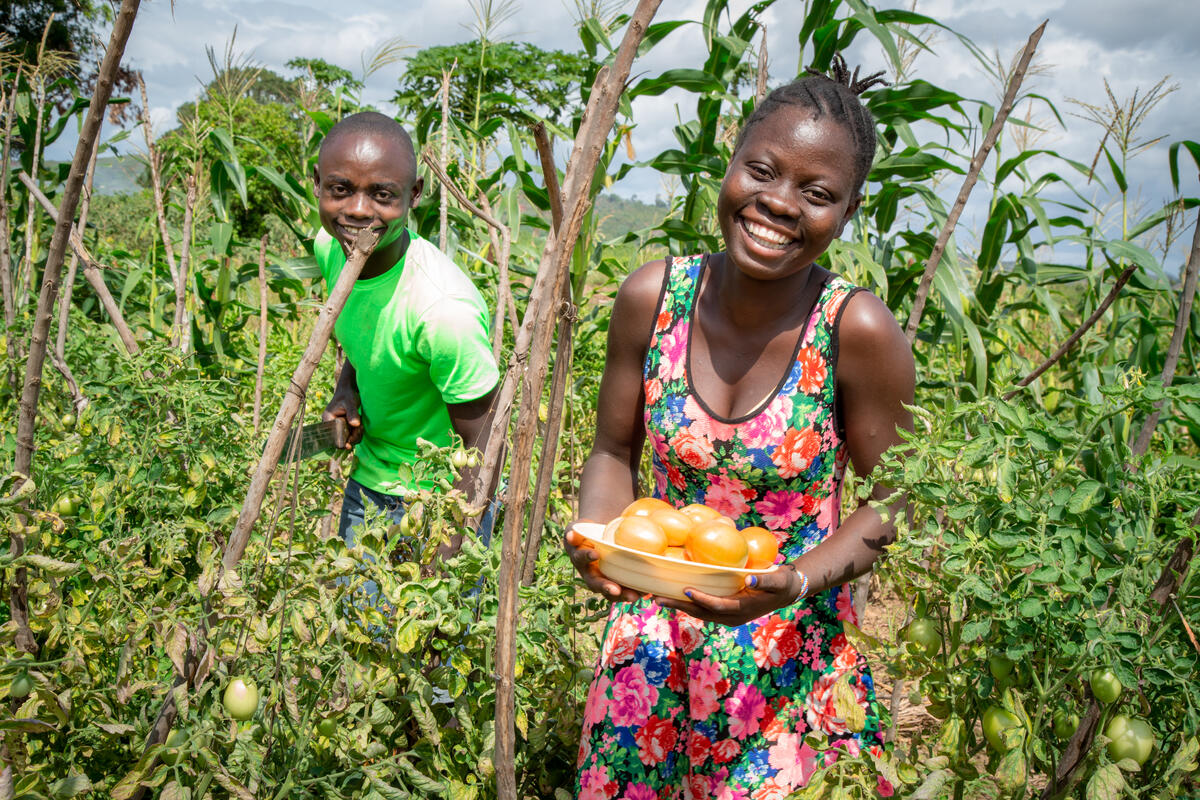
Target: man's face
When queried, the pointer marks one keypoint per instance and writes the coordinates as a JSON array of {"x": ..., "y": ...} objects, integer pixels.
[{"x": 364, "y": 181}]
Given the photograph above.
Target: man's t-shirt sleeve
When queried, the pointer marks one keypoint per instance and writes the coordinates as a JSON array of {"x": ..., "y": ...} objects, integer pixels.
[{"x": 454, "y": 340}]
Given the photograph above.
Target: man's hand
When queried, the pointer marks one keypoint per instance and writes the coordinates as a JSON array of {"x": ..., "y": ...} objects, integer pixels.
[{"x": 345, "y": 404}]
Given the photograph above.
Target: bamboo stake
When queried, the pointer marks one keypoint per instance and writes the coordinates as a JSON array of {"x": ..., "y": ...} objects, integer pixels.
[
  {"x": 262, "y": 331},
  {"x": 1078, "y": 333},
  {"x": 154, "y": 159},
  {"x": 197, "y": 666},
  {"x": 548, "y": 459},
  {"x": 531, "y": 354},
  {"x": 31, "y": 390},
  {"x": 64, "y": 304},
  {"x": 91, "y": 270},
  {"x": 277, "y": 438},
  {"x": 989, "y": 141},
  {"x": 1182, "y": 319},
  {"x": 180, "y": 321}
]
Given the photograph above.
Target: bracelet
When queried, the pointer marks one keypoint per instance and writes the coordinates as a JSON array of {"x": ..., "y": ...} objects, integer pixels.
[{"x": 803, "y": 584}]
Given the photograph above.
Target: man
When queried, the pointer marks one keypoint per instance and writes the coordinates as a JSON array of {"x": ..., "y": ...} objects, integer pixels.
[{"x": 414, "y": 329}]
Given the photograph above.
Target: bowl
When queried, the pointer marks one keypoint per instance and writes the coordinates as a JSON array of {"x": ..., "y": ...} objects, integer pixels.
[{"x": 666, "y": 577}]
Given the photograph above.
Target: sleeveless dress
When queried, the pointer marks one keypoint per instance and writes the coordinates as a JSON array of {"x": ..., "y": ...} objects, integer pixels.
[{"x": 681, "y": 708}]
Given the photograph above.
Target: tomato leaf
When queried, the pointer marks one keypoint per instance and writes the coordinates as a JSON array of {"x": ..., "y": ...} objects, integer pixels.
[
  {"x": 1086, "y": 495},
  {"x": 1106, "y": 784}
]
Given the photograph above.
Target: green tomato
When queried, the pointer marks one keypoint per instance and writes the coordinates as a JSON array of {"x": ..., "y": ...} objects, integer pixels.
[
  {"x": 922, "y": 636},
  {"x": 1065, "y": 723},
  {"x": 65, "y": 506},
  {"x": 327, "y": 727},
  {"x": 241, "y": 698},
  {"x": 459, "y": 458},
  {"x": 68, "y": 421},
  {"x": 996, "y": 724},
  {"x": 1000, "y": 665},
  {"x": 472, "y": 460},
  {"x": 1105, "y": 686},
  {"x": 1129, "y": 737},
  {"x": 21, "y": 685},
  {"x": 171, "y": 753}
]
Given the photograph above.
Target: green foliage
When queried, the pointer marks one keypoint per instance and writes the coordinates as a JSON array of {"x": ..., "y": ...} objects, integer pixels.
[
  {"x": 1038, "y": 538},
  {"x": 508, "y": 80}
]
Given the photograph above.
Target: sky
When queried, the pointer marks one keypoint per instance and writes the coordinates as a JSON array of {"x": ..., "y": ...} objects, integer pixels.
[{"x": 1131, "y": 44}]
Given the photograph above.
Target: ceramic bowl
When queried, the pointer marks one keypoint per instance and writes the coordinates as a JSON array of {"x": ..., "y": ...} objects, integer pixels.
[{"x": 659, "y": 575}]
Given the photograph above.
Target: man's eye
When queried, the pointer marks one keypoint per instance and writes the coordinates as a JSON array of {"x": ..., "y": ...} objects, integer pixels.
[
  {"x": 759, "y": 171},
  {"x": 384, "y": 197}
]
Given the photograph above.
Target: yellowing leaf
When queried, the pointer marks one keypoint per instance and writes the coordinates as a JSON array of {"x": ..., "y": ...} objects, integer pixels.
[{"x": 845, "y": 702}]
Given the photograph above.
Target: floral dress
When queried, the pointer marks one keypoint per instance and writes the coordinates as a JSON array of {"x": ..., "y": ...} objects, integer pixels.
[{"x": 683, "y": 708}]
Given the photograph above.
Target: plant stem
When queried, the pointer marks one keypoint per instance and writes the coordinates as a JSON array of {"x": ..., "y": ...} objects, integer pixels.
[
  {"x": 262, "y": 331},
  {"x": 64, "y": 304}
]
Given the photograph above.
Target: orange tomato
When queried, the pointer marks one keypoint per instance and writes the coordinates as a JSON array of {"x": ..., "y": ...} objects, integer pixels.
[
  {"x": 700, "y": 513},
  {"x": 639, "y": 533},
  {"x": 677, "y": 553},
  {"x": 762, "y": 545},
  {"x": 716, "y": 543},
  {"x": 644, "y": 506},
  {"x": 676, "y": 524}
]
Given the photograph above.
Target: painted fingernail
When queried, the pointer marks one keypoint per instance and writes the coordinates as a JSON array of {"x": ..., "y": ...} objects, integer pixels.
[
  {"x": 754, "y": 580},
  {"x": 689, "y": 595}
]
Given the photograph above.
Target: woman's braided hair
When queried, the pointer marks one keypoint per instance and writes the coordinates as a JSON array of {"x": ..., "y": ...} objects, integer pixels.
[{"x": 836, "y": 96}]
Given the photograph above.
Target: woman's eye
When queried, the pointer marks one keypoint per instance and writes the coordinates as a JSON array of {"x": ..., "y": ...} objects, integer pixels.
[{"x": 759, "y": 171}]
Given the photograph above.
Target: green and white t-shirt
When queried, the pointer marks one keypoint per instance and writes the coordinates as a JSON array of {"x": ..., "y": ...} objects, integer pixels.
[{"x": 417, "y": 337}]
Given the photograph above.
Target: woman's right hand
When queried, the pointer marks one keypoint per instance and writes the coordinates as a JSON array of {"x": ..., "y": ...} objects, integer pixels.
[{"x": 585, "y": 558}]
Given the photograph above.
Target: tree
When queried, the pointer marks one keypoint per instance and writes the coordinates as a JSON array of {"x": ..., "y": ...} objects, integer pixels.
[{"x": 492, "y": 79}]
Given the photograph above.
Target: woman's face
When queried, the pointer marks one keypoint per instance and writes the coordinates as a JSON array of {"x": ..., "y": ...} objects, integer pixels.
[{"x": 787, "y": 194}]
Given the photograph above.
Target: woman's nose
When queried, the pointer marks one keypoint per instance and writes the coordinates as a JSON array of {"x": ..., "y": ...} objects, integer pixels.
[{"x": 781, "y": 201}]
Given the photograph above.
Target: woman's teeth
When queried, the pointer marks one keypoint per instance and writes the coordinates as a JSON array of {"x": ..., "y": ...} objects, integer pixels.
[{"x": 765, "y": 236}]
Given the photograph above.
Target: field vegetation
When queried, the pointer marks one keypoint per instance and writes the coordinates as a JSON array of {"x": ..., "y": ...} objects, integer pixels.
[{"x": 1044, "y": 569}]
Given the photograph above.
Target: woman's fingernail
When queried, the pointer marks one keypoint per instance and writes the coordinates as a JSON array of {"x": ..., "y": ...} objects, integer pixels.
[
  {"x": 754, "y": 580},
  {"x": 689, "y": 595}
]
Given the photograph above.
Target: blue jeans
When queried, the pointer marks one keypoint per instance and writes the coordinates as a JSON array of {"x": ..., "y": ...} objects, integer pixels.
[{"x": 393, "y": 507}]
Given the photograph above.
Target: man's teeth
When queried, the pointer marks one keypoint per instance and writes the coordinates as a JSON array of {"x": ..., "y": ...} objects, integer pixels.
[{"x": 765, "y": 236}]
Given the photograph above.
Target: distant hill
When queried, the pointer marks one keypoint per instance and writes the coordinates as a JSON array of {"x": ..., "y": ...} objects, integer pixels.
[
  {"x": 619, "y": 215},
  {"x": 118, "y": 175},
  {"x": 115, "y": 174}
]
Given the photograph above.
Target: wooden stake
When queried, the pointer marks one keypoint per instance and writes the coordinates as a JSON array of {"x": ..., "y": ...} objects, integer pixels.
[
  {"x": 530, "y": 357},
  {"x": 989, "y": 141},
  {"x": 64, "y": 304}
]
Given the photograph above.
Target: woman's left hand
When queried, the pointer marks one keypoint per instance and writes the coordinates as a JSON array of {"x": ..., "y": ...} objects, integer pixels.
[{"x": 761, "y": 595}]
